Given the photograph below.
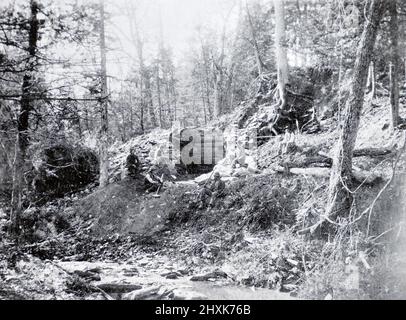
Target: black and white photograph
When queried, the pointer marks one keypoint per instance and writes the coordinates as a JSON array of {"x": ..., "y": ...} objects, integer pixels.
[{"x": 214, "y": 150}]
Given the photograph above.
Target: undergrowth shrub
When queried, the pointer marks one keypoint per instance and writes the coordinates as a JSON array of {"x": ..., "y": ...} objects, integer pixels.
[
  {"x": 64, "y": 168},
  {"x": 274, "y": 261}
]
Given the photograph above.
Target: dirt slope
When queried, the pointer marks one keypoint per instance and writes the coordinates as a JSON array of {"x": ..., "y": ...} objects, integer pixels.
[{"x": 125, "y": 208}]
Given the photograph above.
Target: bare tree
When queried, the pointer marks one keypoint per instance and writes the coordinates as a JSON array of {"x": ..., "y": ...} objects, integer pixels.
[
  {"x": 339, "y": 197},
  {"x": 146, "y": 103},
  {"x": 159, "y": 63},
  {"x": 23, "y": 121},
  {"x": 395, "y": 62},
  {"x": 260, "y": 64},
  {"x": 103, "y": 147},
  {"x": 221, "y": 71},
  {"x": 206, "y": 75},
  {"x": 281, "y": 54}
]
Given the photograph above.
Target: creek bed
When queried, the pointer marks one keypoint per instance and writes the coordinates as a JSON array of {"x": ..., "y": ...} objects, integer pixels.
[{"x": 149, "y": 275}]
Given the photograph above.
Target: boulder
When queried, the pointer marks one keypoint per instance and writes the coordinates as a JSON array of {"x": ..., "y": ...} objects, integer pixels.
[
  {"x": 217, "y": 274},
  {"x": 64, "y": 168},
  {"x": 119, "y": 287},
  {"x": 171, "y": 275}
]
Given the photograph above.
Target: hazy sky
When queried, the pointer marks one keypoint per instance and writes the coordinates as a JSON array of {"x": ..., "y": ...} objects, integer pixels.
[
  {"x": 179, "y": 17},
  {"x": 179, "y": 21}
]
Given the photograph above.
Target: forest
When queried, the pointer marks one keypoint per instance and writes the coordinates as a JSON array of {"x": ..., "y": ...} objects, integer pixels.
[{"x": 193, "y": 150}]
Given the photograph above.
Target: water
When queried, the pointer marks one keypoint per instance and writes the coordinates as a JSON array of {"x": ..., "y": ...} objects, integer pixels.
[{"x": 149, "y": 275}]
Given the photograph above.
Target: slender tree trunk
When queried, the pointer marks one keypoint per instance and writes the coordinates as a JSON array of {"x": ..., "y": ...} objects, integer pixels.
[
  {"x": 124, "y": 127},
  {"x": 207, "y": 90},
  {"x": 204, "y": 109},
  {"x": 158, "y": 93},
  {"x": 260, "y": 64},
  {"x": 402, "y": 44},
  {"x": 218, "y": 78},
  {"x": 206, "y": 69},
  {"x": 299, "y": 22},
  {"x": 160, "y": 65},
  {"x": 339, "y": 198},
  {"x": 131, "y": 116},
  {"x": 167, "y": 95},
  {"x": 148, "y": 98},
  {"x": 217, "y": 93},
  {"x": 281, "y": 54},
  {"x": 22, "y": 140},
  {"x": 395, "y": 62},
  {"x": 103, "y": 148},
  {"x": 142, "y": 126},
  {"x": 135, "y": 36},
  {"x": 174, "y": 97},
  {"x": 218, "y": 75},
  {"x": 229, "y": 89}
]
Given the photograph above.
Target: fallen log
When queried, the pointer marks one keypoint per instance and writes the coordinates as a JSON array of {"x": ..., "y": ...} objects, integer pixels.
[
  {"x": 322, "y": 161},
  {"x": 359, "y": 175},
  {"x": 325, "y": 218},
  {"x": 318, "y": 172},
  {"x": 366, "y": 152},
  {"x": 325, "y": 161},
  {"x": 372, "y": 152}
]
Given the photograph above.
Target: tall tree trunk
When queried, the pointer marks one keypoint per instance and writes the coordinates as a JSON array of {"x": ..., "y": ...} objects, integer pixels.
[
  {"x": 123, "y": 126},
  {"x": 206, "y": 69},
  {"x": 158, "y": 93},
  {"x": 22, "y": 140},
  {"x": 218, "y": 78},
  {"x": 160, "y": 65},
  {"x": 148, "y": 98},
  {"x": 402, "y": 44},
  {"x": 229, "y": 89},
  {"x": 281, "y": 54},
  {"x": 136, "y": 39},
  {"x": 103, "y": 148},
  {"x": 174, "y": 101},
  {"x": 260, "y": 64},
  {"x": 339, "y": 197},
  {"x": 167, "y": 94},
  {"x": 207, "y": 89},
  {"x": 204, "y": 109},
  {"x": 142, "y": 126},
  {"x": 217, "y": 92},
  {"x": 395, "y": 62}
]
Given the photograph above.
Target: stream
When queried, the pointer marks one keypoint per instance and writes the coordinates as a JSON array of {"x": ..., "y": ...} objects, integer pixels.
[{"x": 161, "y": 278}]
